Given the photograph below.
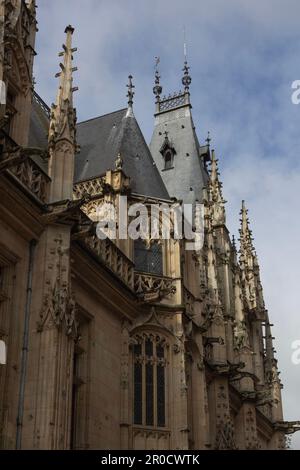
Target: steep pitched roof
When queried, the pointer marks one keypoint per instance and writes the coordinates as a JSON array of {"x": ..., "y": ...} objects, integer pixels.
[
  {"x": 38, "y": 130},
  {"x": 102, "y": 138}
]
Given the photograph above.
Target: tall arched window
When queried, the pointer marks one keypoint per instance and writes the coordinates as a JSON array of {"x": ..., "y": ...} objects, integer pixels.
[{"x": 149, "y": 362}]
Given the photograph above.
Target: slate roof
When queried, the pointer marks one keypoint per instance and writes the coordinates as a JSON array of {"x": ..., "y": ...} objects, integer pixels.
[
  {"x": 100, "y": 140},
  {"x": 188, "y": 175},
  {"x": 38, "y": 130},
  {"x": 39, "y": 123}
]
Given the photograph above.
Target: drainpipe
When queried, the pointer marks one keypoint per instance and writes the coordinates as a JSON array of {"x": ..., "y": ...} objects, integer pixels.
[{"x": 32, "y": 247}]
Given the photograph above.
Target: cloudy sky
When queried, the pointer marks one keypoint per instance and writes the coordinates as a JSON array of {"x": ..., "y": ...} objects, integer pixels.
[{"x": 244, "y": 57}]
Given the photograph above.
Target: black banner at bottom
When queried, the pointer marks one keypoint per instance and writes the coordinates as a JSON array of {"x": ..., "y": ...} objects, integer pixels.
[{"x": 135, "y": 459}]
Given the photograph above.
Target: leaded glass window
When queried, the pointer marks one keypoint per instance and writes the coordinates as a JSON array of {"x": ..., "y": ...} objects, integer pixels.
[
  {"x": 149, "y": 381},
  {"x": 148, "y": 259}
]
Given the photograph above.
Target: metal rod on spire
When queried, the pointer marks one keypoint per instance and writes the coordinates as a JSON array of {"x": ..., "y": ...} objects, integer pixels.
[
  {"x": 184, "y": 45},
  {"x": 186, "y": 79}
]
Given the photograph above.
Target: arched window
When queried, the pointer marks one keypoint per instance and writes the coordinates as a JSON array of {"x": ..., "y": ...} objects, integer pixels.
[
  {"x": 149, "y": 358},
  {"x": 168, "y": 151},
  {"x": 168, "y": 156},
  {"x": 148, "y": 259}
]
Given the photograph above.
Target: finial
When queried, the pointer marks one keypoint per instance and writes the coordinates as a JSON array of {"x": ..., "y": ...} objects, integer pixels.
[
  {"x": 157, "y": 89},
  {"x": 130, "y": 93},
  {"x": 186, "y": 79},
  {"x": 208, "y": 139},
  {"x": 245, "y": 233},
  {"x": 119, "y": 162},
  {"x": 166, "y": 134},
  {"x": 69, "y": 28}
]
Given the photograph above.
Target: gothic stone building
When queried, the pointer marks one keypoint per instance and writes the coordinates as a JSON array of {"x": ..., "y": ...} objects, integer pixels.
[{"x": 120, "y": 343}]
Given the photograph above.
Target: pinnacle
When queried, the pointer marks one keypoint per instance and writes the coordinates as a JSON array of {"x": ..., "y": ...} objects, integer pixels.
[{"x": 60, "y": 126}]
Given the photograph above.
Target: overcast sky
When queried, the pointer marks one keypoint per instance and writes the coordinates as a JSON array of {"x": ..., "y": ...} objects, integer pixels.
[{"x": 244, "y": 57}]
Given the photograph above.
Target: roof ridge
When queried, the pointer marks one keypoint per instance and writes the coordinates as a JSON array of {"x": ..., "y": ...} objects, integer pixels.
[{"x": 103, "y": 115}]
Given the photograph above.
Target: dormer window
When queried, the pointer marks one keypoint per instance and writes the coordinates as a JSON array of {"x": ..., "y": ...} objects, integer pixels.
[{"x": 168, "y": 152}]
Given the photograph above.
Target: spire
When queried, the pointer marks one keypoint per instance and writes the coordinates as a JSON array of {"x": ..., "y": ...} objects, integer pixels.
[
  {"x": 157, "y": 89},
  {"x": 246, "y": 240},
  {"x": 251, "y": 280},
  {"x": 215, "y": 192},
  {"x": 208, "y": 139},
  {"x": 130, "y": 95},
  {"x": 186, "y": 79},
  {"x": 63, "y": 115},
  {"x": 214, "y": 183}
]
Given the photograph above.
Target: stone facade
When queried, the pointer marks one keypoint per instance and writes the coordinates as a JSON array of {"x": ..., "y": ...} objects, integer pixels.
[{"x": 101, "y": 354}]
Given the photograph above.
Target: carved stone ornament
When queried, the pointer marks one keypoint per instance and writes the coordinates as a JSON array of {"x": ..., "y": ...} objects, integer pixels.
[
  {"x": 59, "y": 309},
  {"x": 152, "y": 288},
  {"x": 225, "y": 435}
]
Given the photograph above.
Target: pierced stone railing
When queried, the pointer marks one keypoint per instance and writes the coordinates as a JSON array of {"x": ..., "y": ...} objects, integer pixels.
[
  {"x": 112, "y": 257},
  {"x": 150, "y": 287},
  {"x": 32, "y": 177},
  {"x": 93, "y": 187},
  {"x": 172, "y": 101}
]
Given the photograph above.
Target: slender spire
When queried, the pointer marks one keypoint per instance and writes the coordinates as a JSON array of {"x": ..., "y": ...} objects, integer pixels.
[
  {"x": 208, "y": 139},
  {"x": 251, "y": 279},
  {"x": 246, "y": 240},
  {"x": 215, "y": 184},
  {"x": 130, "y": 95},
  {"x": 186, "y": 79},
  {"x": 215, "y": 192},
  {"x": 157, "y": 89},
  {"x": 63, "y": 114}
]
